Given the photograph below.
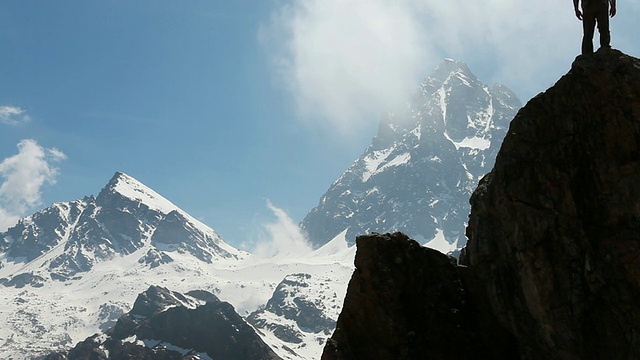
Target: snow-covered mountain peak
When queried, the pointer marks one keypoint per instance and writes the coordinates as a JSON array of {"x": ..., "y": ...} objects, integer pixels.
[
  {"x": 449, "y": 65},
  {"x": 451, "y": 72},
  {"x": 338, "y": 250},
  {"x": 127, "y": 217},
  {"x": 132, "y": 189},
  {"x": 157, "y": 299},
  {"x": 74, "y": 268},
  {"x": 419, "y": 171}
]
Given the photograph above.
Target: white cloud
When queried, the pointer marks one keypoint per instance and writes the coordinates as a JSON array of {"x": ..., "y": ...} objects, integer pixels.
[
  {"x": 7, "y": 219},
  {"x": 347, "y": 61},
  {"x": 23, "y": 175},
  {"x": 56, "y": 155},
  {"x": 281, "y": 237},
  {"x": 12, "y": 115}
]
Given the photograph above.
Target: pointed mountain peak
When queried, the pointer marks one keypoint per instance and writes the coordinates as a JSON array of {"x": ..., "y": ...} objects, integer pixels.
[
  {"x": 157, "y": 299},
  {"x": 451, "y": 65},
  {"x": 419, "y": 170},
  {"x": 451, "y": 69},
  {"x": 132, "y": 189}
]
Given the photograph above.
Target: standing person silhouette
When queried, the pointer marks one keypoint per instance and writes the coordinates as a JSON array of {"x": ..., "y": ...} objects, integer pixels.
[{"x": 595, "y": 11}]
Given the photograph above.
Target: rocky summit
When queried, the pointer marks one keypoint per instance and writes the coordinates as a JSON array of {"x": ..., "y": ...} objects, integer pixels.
[
  {"x": 555, "y": 227},
  {"x": 421, "y": 168},
  {"x": 164, "y": 324},
  {"x": 552, "y": 266}
]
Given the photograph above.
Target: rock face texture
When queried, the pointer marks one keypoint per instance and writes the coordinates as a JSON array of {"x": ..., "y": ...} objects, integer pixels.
[
  {"x": 124, "y": 217},
  {"x": 164, "y": 324},
  {"x": 552, "y": 264},
  {"x": 406, "y": 301},
  {"x": 421, "y": 168},
  {"x": 555, "y": 227},
  {"x": 299, "y": 299}
]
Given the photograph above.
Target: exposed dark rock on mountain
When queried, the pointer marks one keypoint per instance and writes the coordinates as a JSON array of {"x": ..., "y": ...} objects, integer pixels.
[
  {"x": 553, "y": 260},
  {"x": 155, "y": 258},
  {"x": 22, "y": 280},
  {"x": 291, "y": 301},
  {"x": 124, "y": 217},
  {"x": 95, "y": 348},
  {"x": 406, "y": 301},
  {"x": 421, "y": 168},
  {"x": 176, "y": 326},
  {"x": 555, "y": 228},
  {"x": 30, "y": 239}
]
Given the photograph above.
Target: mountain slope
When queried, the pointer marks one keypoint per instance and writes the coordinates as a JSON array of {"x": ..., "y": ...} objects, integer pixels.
[
  {"x": 73, "y": 269},
  {"x": 552, "y": 266},
  {"x": 419, "y": 171},
  {"x": 70, "y": 238},
  {"x": 302, "y": 312},
  {"x": 167, "y": 324}
]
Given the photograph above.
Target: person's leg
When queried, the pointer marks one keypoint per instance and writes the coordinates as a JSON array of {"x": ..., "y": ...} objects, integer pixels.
[
  {"x": 588, "y": 26},
  {"x": 603, "y": 28}
]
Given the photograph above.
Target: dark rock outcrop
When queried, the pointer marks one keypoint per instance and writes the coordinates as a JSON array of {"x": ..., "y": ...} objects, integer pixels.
[
  {"x": 555, "y": 227},
  {"x": 175, "y": 326},
  {"x": 406, "y": 301},
  {"x": 22, "y": 280},
  {"x": 552, "y": 265},
  {"x": 95, "y": 349},
  {"x": 155, "y": 258},
  {"x": 213, "y": 328}
]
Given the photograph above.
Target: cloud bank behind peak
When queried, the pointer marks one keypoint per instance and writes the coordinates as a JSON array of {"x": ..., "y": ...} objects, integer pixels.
[{"x": 346, "y": 62}]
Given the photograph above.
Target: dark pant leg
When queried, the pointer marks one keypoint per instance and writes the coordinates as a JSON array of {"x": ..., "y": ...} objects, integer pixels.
[
  {"x": 589, "y": 26},
  {"x": 603, "y": 27}
]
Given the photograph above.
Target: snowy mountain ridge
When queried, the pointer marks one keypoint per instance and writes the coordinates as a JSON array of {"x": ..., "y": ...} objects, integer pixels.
[
  {"x": 69, "y": 238},
  {"x": 420, "y": 169},
  {"x": 71, "y": 270}
]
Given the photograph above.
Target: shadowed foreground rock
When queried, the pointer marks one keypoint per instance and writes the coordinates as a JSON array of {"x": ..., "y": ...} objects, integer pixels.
[
  {"x": 554, "y": 243},
  {"x": 555, "y": 227},
  {"x": 406, "y": 301}
]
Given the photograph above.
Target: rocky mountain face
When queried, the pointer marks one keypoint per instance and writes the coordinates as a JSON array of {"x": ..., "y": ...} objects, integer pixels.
[
  {"x": 553, "y": 258},
  {"x": 167, "y": 325},
  {"x": 124, "y": 217},
  {"x": 419, "y": 171},
  {"x": 297, "y": 306},
  {"x": 74, "y": 269},
  {"x": 303, "y": 308}
]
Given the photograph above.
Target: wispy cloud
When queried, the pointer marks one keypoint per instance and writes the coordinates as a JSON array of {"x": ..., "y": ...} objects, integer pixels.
[
  {"x": 11, "y": 115},
  {"x": 347, "y": 61},
  {"x": 281, "y": 237},
  {"x": 23, "y": 175}
]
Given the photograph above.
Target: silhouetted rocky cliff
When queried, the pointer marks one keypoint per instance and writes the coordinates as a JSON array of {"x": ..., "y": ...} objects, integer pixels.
[
  {"x": 555, "y": 227},
  {"x": 406, "y": 301},
  {"x": 553, "y": 260}
]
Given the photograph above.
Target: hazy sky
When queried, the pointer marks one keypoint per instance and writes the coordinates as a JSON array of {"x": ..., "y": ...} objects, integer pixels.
[{"x": 241, "y": 112}]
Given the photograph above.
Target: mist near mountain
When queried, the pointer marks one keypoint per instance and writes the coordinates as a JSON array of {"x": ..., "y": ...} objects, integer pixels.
[
  {"x": 422, "y": 166},
  {"x": 551, "y": 267}
]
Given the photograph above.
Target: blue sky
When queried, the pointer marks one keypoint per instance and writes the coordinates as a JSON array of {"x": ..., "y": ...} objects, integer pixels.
[{"x": 222, "y": 106}]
